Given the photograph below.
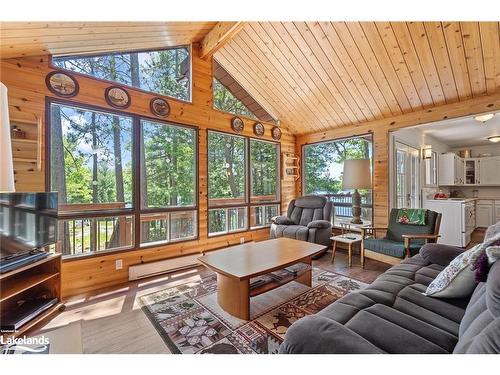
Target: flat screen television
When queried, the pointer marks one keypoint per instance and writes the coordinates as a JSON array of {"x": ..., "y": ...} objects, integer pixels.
[{"x": 28, "y": 221}]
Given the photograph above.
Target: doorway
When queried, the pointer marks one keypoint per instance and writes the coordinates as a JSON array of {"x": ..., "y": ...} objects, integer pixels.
[{"x": 407, "y": 176}]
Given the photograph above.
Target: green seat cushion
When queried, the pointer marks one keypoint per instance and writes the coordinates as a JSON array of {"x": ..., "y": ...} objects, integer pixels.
[
  {"x": 396, "y": 230},
  {"x": 391, "y": 248}
]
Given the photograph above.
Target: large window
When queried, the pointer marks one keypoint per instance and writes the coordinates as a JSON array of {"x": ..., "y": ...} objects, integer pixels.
[
  {"x": 322, "y": 171},
  {"x": 168, "y": 181},
  {"x": 166, "y": 72},
  {"x": 243, "y": 183},
  {"x": 105, "y": 197},
  {"x": 225, "y": 101}
]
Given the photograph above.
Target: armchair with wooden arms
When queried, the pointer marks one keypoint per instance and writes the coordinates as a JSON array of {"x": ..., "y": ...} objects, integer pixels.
[{"x": 401, "y": 240}]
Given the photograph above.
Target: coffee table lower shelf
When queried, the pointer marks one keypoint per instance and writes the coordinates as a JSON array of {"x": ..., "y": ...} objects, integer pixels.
[{"x": 273, "y": 284}]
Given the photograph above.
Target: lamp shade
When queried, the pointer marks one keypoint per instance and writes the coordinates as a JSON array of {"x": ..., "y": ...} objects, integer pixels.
[
  {"x": 357, "y": 174},
  {"x": 6, "y": 166}
]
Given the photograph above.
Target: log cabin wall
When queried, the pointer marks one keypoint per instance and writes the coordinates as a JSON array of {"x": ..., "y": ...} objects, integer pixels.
[
  {"x": 25, "y": 80},
  {"x": 380, "y": 130}
]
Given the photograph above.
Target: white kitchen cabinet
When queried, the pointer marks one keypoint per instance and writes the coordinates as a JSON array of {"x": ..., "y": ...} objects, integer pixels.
[
  {"x": 497, "y": 212},
  {"x": 489, "y": 171},
  {"x": 471, "y": 171},
  {"x": 484, "y": 214},
  {"x": 451, "y": 169}
]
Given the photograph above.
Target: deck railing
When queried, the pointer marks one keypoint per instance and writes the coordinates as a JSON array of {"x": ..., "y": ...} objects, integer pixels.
[{"x": 342, "y": 204}]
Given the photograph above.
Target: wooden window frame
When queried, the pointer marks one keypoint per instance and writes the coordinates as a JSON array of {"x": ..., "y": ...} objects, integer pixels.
[
  {"x": 115, "y": 83},
  {"x": 247, "y": 204},
  {"x": 135, "y": 211}
]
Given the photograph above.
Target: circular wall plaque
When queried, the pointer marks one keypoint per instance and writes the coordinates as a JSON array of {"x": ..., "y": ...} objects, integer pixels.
[
  {"x": 117, "y": 97},
  {"x": 159, "y": 107},
  {"x": 62, "y": 84},
  {"x": 237, "y": 124},
  {"x": 276, "y": 133},
  {"x": 258, "y": 129}
]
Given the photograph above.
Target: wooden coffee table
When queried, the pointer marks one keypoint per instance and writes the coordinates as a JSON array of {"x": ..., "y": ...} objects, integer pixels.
[{"x": 235, "y": 267}]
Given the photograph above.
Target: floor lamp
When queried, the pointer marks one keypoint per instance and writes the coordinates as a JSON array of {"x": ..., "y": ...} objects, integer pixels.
[
  {"x": 357, "y": 175},
  {"x": 6, "y": 166}
]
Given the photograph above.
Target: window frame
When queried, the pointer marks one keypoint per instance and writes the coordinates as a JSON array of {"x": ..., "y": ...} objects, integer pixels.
[
  {"x": 303, "y": 165},
  {"x": 135, "y": 211},
  {"x": 114, "y": 83},
  {"x": 247, "y": 204}
]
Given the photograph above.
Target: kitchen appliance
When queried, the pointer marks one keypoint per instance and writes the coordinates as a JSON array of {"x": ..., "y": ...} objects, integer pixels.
[{"x": 458, "y": 220}]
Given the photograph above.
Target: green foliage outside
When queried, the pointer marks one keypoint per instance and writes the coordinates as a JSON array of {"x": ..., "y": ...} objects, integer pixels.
[
  {"x": 170, "y": 165},
  {"x": 164, "y": 72},
  {"x": 320, "y": 158}
]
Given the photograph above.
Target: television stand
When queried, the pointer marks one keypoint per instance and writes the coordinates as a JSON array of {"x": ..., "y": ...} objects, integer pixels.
[{"x": 40, "y": 280}]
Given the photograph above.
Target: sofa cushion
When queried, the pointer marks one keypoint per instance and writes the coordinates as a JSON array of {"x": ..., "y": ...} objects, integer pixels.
[
  {"x": 479, "y": 329},
  {"x": 396, "y": 230},
  {"x": 389, "y": 247},
  {"x": 297, "y": 232}
]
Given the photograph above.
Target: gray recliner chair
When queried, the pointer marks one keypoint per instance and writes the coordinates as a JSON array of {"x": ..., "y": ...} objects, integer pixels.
[{"x": 308, "y": 219}]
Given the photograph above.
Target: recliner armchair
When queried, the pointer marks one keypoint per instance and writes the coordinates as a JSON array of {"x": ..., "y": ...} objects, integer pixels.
[{"x": 308, "y": 219}]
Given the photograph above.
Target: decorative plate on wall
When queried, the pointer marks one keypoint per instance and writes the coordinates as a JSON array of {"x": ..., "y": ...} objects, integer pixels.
[
  {"x": 159, "y": 107},
  {"x": 258, "y": 129},
  {"x": 237, "y": 124},
  {"x": 276, "y": 133},
  {"x": 117, "y": 97},
  {"x": 62, "y": 84}
]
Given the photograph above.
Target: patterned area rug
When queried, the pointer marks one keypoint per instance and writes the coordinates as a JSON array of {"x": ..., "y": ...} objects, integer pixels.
[{"x": 189, "y": 319}]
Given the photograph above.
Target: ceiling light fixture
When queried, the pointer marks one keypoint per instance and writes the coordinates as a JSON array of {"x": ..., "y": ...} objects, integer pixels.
[
  {"x": 484, "y": 118},
  {"x": 494, "y": 139}
]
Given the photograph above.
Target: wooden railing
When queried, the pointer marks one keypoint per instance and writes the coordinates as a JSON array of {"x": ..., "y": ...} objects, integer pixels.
[{"x": 342, "y": 204}]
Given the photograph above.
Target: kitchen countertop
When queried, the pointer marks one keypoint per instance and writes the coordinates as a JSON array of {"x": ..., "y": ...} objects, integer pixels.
[{"x": 464, "y": 200}]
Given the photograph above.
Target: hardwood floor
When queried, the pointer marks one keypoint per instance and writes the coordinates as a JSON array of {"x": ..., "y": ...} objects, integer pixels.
[{"x": 111, "y": 320}]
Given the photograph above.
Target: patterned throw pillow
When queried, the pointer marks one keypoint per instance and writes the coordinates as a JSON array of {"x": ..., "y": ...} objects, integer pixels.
[{"x": 457, "y": 279}]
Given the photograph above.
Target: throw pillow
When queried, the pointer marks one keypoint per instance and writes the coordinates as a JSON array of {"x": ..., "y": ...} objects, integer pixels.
[{"x": 457, "y": 279}]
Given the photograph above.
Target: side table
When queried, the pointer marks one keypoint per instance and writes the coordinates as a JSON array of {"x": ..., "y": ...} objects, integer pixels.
[{"x": 349, "y": 239}]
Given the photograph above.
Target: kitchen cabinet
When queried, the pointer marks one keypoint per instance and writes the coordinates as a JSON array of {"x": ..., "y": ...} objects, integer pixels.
[
  {"x": 456, "y": 171},
  {"x": 451, "y": 169},
  {"x": 489, "y": 170},
  {"x": 471, "y": 171},
  {"x": 484, "y": 213}
]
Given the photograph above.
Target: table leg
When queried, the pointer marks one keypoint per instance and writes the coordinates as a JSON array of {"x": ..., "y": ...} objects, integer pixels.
[
  {"x": 306, "y": 277},
  {"x": 362, "y": 254},
  {"x": 233, "y": 296},
  {"x": 334, "y": 248},
  {"x": 350, "y": 254}
]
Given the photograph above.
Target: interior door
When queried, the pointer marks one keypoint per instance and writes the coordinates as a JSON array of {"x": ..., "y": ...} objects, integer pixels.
[{"x": 407, "y": 176}]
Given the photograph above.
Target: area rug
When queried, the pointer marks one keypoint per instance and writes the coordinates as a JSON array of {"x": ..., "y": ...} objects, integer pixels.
[{"x": 189, "y": 320}]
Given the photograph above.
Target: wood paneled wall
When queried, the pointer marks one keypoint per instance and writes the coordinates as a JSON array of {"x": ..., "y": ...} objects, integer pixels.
[
  {"x": 25, "y": 80},
  {"x": 380, "y": 130}
]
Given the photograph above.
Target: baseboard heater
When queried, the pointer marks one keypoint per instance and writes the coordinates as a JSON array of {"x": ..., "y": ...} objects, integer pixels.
[{"x": 141, "y": 271}]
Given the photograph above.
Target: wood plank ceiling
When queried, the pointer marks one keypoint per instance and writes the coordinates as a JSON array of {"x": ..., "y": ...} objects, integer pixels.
[
  {"x": 38, "y": 38},
  {"x": 321, "y": 75}
]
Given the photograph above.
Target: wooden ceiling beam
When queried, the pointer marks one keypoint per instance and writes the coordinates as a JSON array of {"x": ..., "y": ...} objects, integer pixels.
[{"x": 222, "y": 33}]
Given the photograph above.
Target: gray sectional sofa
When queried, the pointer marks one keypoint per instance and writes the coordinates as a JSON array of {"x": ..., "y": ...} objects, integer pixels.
[{"x": 393, "y": 316}]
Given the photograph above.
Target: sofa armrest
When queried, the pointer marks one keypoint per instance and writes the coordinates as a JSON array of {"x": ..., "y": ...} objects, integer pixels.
[
  {"x": 439, "y": 253},
  {"x": 282, "y": 220},
  {"x": 320, "y": 224},
  {"x": 319, "y": 335}
]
